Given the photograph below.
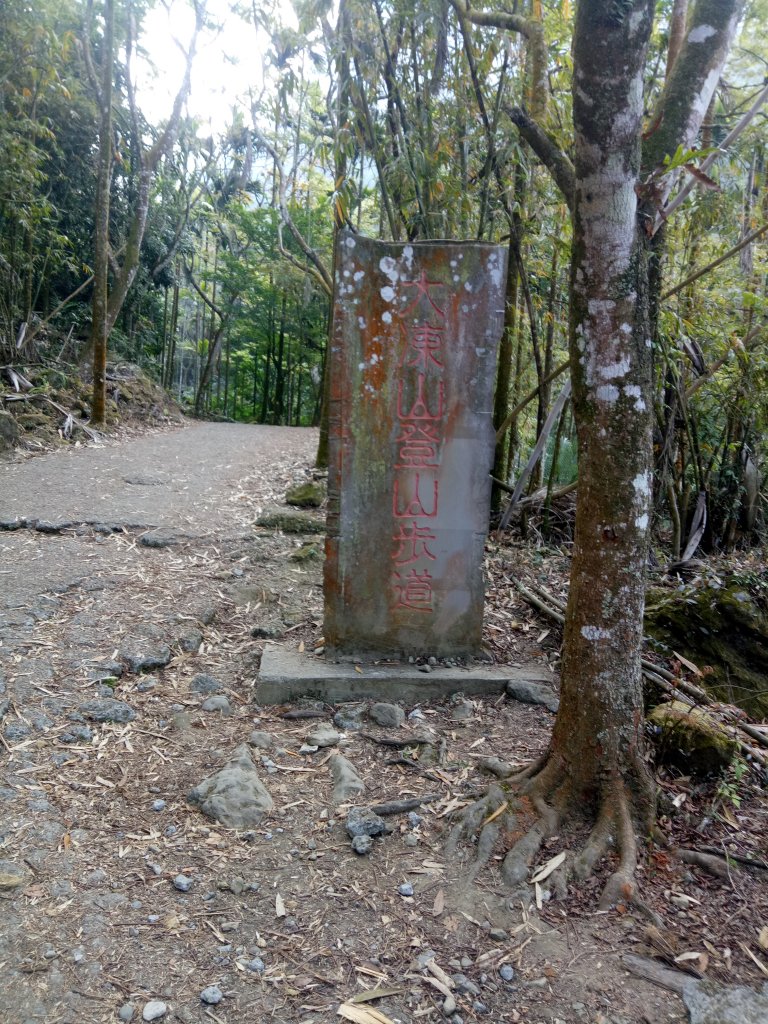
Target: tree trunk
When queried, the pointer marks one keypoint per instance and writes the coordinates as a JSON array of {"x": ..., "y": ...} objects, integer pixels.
[{"x": 99, "y": 328}]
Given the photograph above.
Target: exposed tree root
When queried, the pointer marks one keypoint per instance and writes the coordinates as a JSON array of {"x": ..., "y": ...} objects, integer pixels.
[{"x": 546, "y": 792}]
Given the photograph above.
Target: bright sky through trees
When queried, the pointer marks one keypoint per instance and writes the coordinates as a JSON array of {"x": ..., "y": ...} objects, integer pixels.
[{"x": 227, "y": 65}]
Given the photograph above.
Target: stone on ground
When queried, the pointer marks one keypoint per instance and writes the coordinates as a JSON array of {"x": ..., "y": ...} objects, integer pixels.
[
  {"x": 388, "y": 716},
  {"x": 362, "y": 821},
  {"x": 350, "y": 717},
  {"x": 107, "y": 709},
  {"x": 689, "y": 738},
  {"x": 346, "y": 782},
  {"x": 235, "y": 795},
  {"x": 532, "y": 693},
  {"x": 146, "y": 659},
  {"x": 261, "y": 739},
  {"x": 728, "y": 1005},
  {"x": 203, "y": 683},
  {"x": 154, "y": 1010},
  {"x": 12, "y": 875},
  {"x": 323, "y": 735},
  {"x": 218, "y": 703},
  {"x": 308, "y": 495}
]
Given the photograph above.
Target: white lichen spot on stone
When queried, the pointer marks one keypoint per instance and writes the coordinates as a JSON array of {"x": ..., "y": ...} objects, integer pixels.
[
  {"x": 595, "y": 633},
  {"x": 388, "y": 267},
  {"x": 359, "y": 275},
  {"x": 387, "y": 293},
  {"x": 350, "y": 242},
  {"x": 467, "y": 286},
  {"x": 361, "y": 322},
  {"x": 408, "y": 255},
  {"x": 607, "y": 393},
  {"x": 701, "y": 33},
  {"x": 386, "y": 316},
  {"x": 453, "y": 263},
  {"x": 642, "y": 521}
]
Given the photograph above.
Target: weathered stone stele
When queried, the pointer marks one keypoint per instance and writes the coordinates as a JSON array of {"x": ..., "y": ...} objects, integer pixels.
[{"x": 413, "y": 358}]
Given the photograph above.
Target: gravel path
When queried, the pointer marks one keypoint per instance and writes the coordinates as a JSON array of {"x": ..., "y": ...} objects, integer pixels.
[{"x": 136, "y": 596}]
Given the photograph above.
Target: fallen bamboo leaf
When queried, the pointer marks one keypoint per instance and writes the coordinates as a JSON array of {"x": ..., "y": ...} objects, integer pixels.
[
  {"x": 375, "y": 993},
  {"x": 755, "y": 960},
  {"x": 687, "y": 664},
  {"x": 496, "y": 813},
  {"x": 546, "y": 870},
  {"x": 439, "y": 905},
  {"x": 763, "y": 937},
  {"x": 363, "y": 1014}
]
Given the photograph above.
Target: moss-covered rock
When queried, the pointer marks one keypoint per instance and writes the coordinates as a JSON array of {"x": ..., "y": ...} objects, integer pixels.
[
  {"x": 722, "y": 630},
  {"x": 9, "y": 433},
  {"x": 291, "y": 522},
  {"x": 307, "y": 553},
  {"x": 308, "y": 495},
  {"x": 690, "y": 739}
]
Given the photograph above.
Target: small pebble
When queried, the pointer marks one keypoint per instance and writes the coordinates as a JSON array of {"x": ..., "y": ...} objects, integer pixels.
[
  {"x": 479, "y": 1007},
  {"x": 211, "y": 995},
  {"x": 171, "y": 830},
  {"x": 158, "y": 805},
  {"x": 362, "y": 844},
  {"x": 154, "y": 1010},
  {"x": 126, "y": 1012},
  {"x": 410, "y": 840},
  {"x": 136, "y": 904},
  {"x": 406, "y": 889},
  {"x": 257, "y": 965},
  {"x": 424, "y": 668},
  {"x": 153, "y": 918},
  {"x": 498, "y": 935},
  {"x": 78, "y": 956},
  {"x": 182, "y": 883},
  {"x": 506, "y": 972},
  {"x": 414, "y": 819}
]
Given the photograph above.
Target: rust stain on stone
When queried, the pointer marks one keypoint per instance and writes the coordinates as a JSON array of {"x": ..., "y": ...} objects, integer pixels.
[{"x": 413, "y": 356}]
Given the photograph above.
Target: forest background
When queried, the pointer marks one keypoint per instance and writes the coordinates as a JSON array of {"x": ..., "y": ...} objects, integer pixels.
[{"x": 212, "y": 250}]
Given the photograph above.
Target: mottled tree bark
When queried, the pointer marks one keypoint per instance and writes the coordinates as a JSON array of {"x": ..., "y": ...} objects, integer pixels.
[{"x": 594, "y": 768}]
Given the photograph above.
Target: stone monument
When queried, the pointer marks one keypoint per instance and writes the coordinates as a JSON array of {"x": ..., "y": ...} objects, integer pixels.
[{"x": 413, "y": 357}]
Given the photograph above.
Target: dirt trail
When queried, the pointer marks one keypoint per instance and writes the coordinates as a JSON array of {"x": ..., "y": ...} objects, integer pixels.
[{"x": 128, "y": 572}]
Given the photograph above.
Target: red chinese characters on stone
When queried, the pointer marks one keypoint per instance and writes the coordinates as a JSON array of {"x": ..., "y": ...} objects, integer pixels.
[{"x": 420, "y": 407}]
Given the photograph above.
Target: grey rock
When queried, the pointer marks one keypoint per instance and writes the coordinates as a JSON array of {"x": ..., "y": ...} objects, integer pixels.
[
  {"x": 211, "y": 995},
  {"x": 16, "y": 731},
  {"x": 158, "y": 805},
  {"x": 261, "y": 739},
  {"x": 414, "y": 819},
  {"x": 507, "y": 972},
  {"x": 424, "y": 668},
  {"x": 107, "y": 709},
  {"x": 77, "y": 734},
  {"x": 532, "y": 693},
  {"x": 235, "y": 795},
  {"x": 257, "y": 965},
  {"x": 146, "y": 659},
  {"x": 182, "y": 721},
  {"x": 405, "y": 889},
  {"x": 12, "y": 875},
  {"x": 410, "y": 840},
  {"x": 708, "y": 1003},
  {"x": 154, "y": 1010},
  {"x": 158, "y": 540},
  {"x": 346, "y": 782},
  {"x": 266, "y": 633},
  {"x": 462, "y": 712},
  {"x": 361, "y": 821},
  {"x": 147, "y": 684},
  {"x": 190, "y": 641},
  {"x": 463, "y": 984},
  {"x": 105, "y": 670},
  {"x": 183, "y": 883},
  {"x": 498, "y": 935},
  {"x": 388, "y": 716},
  {"x": 126, "y": 1011},
  {"x": 351, "y": 717},
  {"x": 323, "y": 735},
  {"x": 362, "y": 845},
  {"x": 203, "y": 683},
  {"x": 480, "y": 1007},
  {"x": 218, "y": 703}
]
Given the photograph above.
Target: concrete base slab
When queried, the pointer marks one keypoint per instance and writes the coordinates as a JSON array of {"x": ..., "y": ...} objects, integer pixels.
[{"x": 286, "y": 675}]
